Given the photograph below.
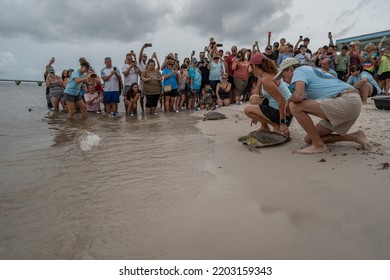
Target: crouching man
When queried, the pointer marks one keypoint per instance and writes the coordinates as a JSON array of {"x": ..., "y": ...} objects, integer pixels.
[{"x": 318, "y": 93}]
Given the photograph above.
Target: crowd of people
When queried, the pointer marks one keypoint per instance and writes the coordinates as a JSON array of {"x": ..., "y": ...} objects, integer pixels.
[{"x": 283, "y": 82}]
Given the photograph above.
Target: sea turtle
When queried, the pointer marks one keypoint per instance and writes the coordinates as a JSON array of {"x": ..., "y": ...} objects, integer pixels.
[
  {"x": 214, "y": 116},
  {"x": 259, "y": 139}
]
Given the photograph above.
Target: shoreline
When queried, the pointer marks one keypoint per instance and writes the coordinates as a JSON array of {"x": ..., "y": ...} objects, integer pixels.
[{"x": 280, "y": 205}]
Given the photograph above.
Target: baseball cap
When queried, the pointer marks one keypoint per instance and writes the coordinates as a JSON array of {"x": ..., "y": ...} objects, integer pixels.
[
  {"x": 276, "y": 45},
  {"x": 86, "y": 64},
  {"x": 286, "y": 64},
  {"x": 194, "y": 60},
  {"x": 51, "y": 70},
  {"x": 257, "y": 58}
]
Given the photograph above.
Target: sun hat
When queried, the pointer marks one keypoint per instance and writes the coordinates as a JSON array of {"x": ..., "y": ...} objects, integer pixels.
[
  {"x": 286, "y": 64},
  {"x": 257, "y": 58}
]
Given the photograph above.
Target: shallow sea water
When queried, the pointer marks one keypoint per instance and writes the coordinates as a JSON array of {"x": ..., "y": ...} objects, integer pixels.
[{"x": 101, "y": 188}]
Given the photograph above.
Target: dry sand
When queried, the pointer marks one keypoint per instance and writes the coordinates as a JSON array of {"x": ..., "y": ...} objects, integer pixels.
[{"x": 280, "y": 205}]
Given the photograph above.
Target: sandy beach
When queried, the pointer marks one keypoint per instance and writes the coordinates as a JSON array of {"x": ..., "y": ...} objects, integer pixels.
[{"x": 280, "y": 205}]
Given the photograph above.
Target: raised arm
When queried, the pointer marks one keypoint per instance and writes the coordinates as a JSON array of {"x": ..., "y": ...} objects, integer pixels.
[{"x": 141, "y": 53}]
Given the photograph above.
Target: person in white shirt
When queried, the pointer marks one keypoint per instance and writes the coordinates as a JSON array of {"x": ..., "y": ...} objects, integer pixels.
[
  {"x": 131, "y": 72},
  {"x": 112, "y": 86},
  {"x": 303, "y": 56}
]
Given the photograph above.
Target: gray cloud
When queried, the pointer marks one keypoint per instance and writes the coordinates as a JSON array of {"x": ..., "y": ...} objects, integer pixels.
[
  {"x": 239, "y": 21},
  {"x": 347, "y": 14},
  {"x": 72, "y": 20}
]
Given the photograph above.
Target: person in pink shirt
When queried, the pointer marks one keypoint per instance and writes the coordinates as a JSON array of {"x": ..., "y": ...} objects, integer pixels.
[
  {"x": 229, "y": 62},
  {"x": 92, "y": 100},
  {"x": 240, "y": 67}
]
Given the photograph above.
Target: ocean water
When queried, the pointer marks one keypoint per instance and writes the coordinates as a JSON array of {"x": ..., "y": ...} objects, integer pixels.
[{"x": 101, "y": 188}]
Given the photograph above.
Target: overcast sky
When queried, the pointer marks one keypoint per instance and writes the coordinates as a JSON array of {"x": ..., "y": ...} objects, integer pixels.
[{"x": 32, "y": 31}]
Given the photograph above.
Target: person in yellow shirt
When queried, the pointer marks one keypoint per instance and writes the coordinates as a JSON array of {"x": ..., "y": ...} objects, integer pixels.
[{"x": 384, "y": 70}]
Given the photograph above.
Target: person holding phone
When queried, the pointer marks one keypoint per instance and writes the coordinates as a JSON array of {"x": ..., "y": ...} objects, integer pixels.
[
  {"x": 142, "y": 61},
  {"x": 45, "y": 75},
  {"x": 131, "y": 73},
  {"x": 112, "y": 86},
  {"x": 240, "y": 67},
  {"x": 151, "y": 78}
]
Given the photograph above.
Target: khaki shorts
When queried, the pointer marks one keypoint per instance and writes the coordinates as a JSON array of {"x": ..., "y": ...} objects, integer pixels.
[
  {"x": 342, "y": 112},
  {"x": 240, "y": 86}
]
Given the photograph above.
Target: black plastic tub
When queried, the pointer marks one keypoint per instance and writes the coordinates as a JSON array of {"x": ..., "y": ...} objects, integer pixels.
[{"x": 382, "y": 102}]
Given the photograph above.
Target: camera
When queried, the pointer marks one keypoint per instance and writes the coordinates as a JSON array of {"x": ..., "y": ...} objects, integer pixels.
[
  {"x": 149, "y": 45},
  {"x": 114, "y": 68},
  {"x": 219, "y": 45}
]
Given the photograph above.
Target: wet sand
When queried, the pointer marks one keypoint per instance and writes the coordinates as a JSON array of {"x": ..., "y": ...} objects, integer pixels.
[{"x": 280, "y": 205}]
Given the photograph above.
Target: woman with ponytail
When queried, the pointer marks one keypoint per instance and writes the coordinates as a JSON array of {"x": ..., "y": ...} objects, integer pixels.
[{"x": 269, "y": 111}]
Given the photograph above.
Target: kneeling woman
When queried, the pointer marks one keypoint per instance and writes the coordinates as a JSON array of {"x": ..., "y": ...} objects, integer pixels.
[
  {"x": 271, "y": 110},
  {"x": 131, "y": 99},
  {"x": 223, "y": 92}
]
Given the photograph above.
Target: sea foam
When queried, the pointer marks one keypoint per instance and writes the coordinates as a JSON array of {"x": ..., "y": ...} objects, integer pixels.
[{"x": 88, "y": 141}]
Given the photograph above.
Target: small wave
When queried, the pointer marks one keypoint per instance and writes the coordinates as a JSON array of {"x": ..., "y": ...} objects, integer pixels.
[{"x": 88, "y": 141}]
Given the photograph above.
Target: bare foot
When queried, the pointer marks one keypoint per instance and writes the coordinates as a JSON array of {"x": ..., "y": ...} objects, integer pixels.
[
  {"x": 313, "y": 150},
  {"x": 360, "y": 137}
]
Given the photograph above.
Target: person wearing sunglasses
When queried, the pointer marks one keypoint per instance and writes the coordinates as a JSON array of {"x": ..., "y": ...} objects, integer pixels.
[
  {"x": 223, "y": 91},
  {"x": 363, "y": 82}
]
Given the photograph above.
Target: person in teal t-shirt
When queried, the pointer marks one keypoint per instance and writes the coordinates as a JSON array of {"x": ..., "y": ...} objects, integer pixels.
[
  {"x": 364, "y": 82},
  {"x": 318, "y": 93},
  {"x": 72, "y": 91}
]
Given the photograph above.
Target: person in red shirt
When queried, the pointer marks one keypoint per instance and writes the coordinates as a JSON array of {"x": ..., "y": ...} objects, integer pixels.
[{"x": 229, "y": 62}]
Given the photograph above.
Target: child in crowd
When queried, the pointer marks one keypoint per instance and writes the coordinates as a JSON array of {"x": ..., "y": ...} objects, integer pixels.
[
  {"x": 93, "y": 99},
  {"x": 208, "y": 98},
  {"x": 131, "y": 98}
]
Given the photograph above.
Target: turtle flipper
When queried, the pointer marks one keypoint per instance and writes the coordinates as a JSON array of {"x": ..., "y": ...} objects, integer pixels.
[{"x": 253, "y": 148}]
